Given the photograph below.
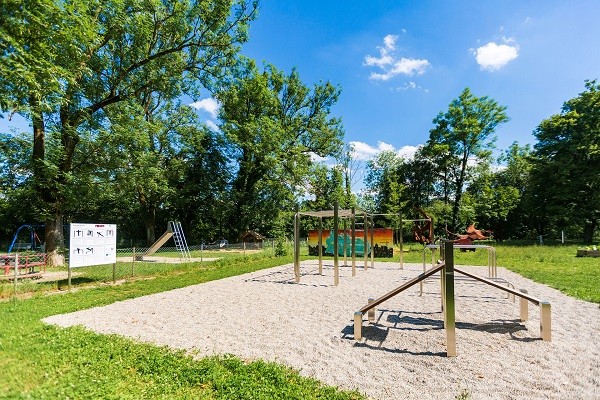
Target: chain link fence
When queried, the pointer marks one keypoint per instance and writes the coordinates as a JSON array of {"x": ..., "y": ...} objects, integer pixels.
[{"x": 26, "y": 273}]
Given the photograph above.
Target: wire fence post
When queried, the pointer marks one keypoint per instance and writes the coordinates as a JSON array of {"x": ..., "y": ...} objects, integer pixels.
[
  {"x": 16, "y": 272},
  {"x": 133, "y": 263}
]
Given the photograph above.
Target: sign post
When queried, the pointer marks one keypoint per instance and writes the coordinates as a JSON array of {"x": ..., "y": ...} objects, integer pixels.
[{"x": 92, "y": 244}]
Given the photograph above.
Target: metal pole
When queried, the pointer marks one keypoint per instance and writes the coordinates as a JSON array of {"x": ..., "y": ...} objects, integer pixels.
[
  {"x": 16, "y": 272},
  {"x": 353, "y": 223},
  {"x": 133, "y": 263},
  {"x": 336, "y": 266},
  {"x": 401, "y": 243},
  {"x": 345, "y": 248},
  {"x": 449, "y": 310},
  {"x": 372, "y": 241},
  {"x": 297, "y": 244},
  {"x": 320, "y": 245},
  {"x": 365, "y": 242},
  {"x": 114, "y": 272}
]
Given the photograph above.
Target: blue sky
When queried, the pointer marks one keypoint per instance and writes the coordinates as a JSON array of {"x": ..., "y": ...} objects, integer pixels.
[{"x": 399, "y": 63}]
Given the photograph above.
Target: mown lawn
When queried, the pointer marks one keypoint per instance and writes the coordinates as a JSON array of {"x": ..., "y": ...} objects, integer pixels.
[
  {"x": 38, "y": 361},
  {"x": 556, "y": 266}
]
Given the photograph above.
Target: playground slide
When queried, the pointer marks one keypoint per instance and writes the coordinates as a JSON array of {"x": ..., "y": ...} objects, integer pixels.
[{"x": 158, "y": 244}]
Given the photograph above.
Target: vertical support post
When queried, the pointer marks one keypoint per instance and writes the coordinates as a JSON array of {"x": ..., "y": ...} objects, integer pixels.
[
  {"x": 443, "y": 282},
  {"x": 244, "y": 247},
  {"x": 524, "y": 307},
  {"x": 372, "y": 241},
  {"x": 545, "y": 322},
  {"x": 449, "y": 311},
  {"x": 202, "y": 251},
  {"x": 345, "y": 246},
  {"x": 353, "y": 222},
  {"x": 401, "y": 240},
  {"x": 336, "y": 266},
  {"x": 69, "y": 277},
  {"x": 371, "y": 312},
  {"x": 114, "y": 272},
  {"x": 16, "y": 271},
  {"x": 297, "y": 244},
  {"x": 365, "y": 241},
  {"x": 320, "y": 245},
  {"x": 133, "y": 263},
  {"x": 424, "y": 268},
  {"x": 357, "y": 325}
]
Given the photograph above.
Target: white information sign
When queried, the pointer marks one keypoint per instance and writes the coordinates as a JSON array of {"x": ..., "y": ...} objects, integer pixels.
[{"x": 92, "y": 244}]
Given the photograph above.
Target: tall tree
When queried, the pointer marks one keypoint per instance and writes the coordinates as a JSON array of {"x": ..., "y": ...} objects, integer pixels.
[
  {"x": 566, "y": 168},
  {"x": 102, "y": 53},
  {"x": 275, "y": 124},
  {"x": 463, "y": 134}
]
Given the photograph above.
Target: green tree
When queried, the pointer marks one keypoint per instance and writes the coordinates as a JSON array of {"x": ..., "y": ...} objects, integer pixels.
[
  {"x": 275, "y": 124},
  {"x": 101, "y": 53},
  {"x": 462, "y": 135},
  {"x": 566, "y": 163}
]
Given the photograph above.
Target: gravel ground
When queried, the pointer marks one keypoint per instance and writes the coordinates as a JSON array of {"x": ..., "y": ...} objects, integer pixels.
[{"x": 309, "y": 326}]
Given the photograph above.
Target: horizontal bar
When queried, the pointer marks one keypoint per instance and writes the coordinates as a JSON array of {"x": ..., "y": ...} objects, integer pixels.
[
  {"x": 402, "y": 287},
  {"x": 497, "y": 286}
]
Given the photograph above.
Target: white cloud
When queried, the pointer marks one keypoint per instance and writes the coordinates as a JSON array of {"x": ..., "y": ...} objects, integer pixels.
[
  {"x": 364, "y": 151},
  {"x": 212, "y": 126},
  {"x": 390, "y": 65},
  {"x": 492, "y": 56},
  {"x": 390, "y": 42},
  {"x": 209, "y": 105}
]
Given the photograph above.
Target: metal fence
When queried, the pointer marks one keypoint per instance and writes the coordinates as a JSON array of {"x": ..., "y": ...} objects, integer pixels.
[{"x": 27, "y": 272}]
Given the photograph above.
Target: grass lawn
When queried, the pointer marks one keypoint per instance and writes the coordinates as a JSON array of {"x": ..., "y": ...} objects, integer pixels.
[
  {"x": 556, "y": 266},
  {"x": 44, "y": 362}
]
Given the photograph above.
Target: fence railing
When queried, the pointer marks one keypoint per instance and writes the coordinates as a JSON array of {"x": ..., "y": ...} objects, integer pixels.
[{"x": 26, "y": 272}]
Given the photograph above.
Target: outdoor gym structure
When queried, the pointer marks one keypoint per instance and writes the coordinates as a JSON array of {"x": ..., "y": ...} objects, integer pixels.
[
  {"x": 447, "y": 270},
  {"x": 345, "y": 215}
]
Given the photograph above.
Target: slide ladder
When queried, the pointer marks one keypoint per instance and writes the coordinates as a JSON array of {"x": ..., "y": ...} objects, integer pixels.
[{"x": 179, "y": 239}]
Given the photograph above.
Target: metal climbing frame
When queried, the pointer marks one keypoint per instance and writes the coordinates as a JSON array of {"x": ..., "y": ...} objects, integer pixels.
[{"x": 446, "y": 267}]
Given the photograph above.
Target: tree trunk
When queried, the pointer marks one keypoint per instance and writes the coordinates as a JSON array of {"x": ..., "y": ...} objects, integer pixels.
[
  {"x": 55, "y": 239},
  {"x": 150, "y": 222},
  {"x": 588, "y": 231}
]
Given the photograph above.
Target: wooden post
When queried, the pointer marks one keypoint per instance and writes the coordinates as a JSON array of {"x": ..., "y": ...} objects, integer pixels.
[
  {"x": 357, "y": 325},
  {"x": 371, "y": 312},
  {"x": 545, "y": 321},
  {"x": 524, "y": 307}
]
